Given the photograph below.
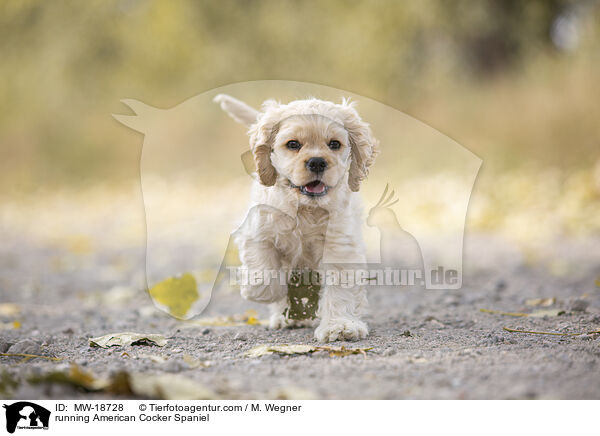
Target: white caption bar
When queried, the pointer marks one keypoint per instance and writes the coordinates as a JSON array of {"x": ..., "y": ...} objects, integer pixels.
[{"x": 76, "y": 417}]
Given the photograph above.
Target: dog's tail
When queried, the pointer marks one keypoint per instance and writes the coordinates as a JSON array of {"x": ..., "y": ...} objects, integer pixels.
[{"x": 238, "y": 110}]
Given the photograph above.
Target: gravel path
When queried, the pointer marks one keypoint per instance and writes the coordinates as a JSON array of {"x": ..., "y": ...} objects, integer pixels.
[{"x": 431, "y": 344}]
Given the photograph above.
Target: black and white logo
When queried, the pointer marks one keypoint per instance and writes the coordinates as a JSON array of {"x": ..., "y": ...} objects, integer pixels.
[{"x": 26, "y": 415}]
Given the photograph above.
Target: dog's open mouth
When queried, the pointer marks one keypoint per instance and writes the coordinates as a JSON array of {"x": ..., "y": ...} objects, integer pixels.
[{"x": 313, "y": 189}]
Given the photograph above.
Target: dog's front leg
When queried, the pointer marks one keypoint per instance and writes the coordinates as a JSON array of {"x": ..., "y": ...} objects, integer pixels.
[
  {"x": 340, "y": 311},
  {"x": 262, "y": 282},
  {"x": 261, "y": 258},
  {"x": 341, "y": 303}
]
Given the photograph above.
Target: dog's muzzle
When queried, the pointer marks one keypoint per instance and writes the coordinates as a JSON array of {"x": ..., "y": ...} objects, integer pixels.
[{"x": 315, "y": 188}]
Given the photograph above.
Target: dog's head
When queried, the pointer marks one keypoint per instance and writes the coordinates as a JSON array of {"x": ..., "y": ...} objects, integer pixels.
[{"x": 311, "y": 146}]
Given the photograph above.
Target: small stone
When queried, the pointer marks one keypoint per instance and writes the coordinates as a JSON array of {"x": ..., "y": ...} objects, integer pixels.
[
  {"x": 407, "y": 333},
  {"x": 205, "y": 331},
  {"x": 500, "y": 285},
  {"x": 4, "y": 346},
  {"x": 25, "y": 347},
  {"x": 435, "y": 323},
  {"x": 579, "y": 305},
  {"x": 240, "y": 337}
]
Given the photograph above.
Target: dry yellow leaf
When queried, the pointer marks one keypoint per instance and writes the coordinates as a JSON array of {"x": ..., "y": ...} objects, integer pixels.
[
  {"x": 262, "y": 350},
  {"x": 156, "y": 358},
  {"x": 178, "y": 294},
  {"x": 195, "y": 363},
  {"x": 545, "y": 302},
  {"x": 10, "y": 325},
  {"x": 9, "y": 309},
  {"x": 127, "y": 338},
  {"x": 154, "y": 386}
]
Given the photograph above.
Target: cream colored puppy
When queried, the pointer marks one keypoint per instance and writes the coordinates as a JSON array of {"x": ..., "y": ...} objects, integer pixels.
[{"x": 310, "y": 157}]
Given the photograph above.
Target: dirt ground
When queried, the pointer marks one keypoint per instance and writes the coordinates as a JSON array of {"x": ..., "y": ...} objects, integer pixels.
[{"x": 425, "y": 344}]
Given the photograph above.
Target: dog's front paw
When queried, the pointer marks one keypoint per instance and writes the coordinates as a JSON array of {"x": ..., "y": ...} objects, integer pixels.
[
  {"x": 350, "y": 329},
  {"x": 277, "y": 321}
]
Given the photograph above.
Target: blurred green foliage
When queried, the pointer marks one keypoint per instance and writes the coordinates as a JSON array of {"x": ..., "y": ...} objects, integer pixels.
[{"x": 514, "y": 81}]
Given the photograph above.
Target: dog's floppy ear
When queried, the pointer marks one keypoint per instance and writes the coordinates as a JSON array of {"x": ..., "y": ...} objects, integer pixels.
[
  {"x": 364, "y": 147},
  {"x": 262, "y": 134}
]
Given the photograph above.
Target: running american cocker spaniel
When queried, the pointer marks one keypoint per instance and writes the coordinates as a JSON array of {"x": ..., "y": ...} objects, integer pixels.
[{"x": 310, "y": 158}]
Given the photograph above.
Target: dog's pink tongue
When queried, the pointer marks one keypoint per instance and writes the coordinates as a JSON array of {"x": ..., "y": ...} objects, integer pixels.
[{"x": 315, "y": 187}]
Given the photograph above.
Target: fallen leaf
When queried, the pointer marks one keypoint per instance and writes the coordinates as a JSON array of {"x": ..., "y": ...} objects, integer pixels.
[
  {"x": 343, "y": 351},
  {"x": 74, "y": 377},
  {"x": 262, "y": 350},
  {"x": 127, "y": 338},
  {"x": 10, "y": 325},
  {"x": 168, "y": 387},
  {"x": 156, "y": 358},
  {"x": 9, "y": 309},
  {"x": 544, "y": 302},
  {"x": 178, "y": 294},
  {"x": 195, "y": 363},
  {"x": 152, "y": 386},
  {"x": 7, "y": 384},
  {"x": 292, "y": 393},
  {"x": 547, "y": 312},
  {"x": 114, "y": 296}
]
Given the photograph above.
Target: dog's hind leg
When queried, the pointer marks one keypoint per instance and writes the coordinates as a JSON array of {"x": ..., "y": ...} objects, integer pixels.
[{"x": 277, "y": 319}]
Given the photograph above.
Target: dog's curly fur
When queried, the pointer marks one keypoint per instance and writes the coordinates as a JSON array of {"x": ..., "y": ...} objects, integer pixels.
[{"x": 290, "y": 227}]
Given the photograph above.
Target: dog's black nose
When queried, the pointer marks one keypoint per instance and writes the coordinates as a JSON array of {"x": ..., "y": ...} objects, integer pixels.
[{"x": 316, "y": 164}]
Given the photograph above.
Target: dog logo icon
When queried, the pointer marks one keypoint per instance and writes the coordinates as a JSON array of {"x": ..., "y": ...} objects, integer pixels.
[{"x": 26, "y": 415}]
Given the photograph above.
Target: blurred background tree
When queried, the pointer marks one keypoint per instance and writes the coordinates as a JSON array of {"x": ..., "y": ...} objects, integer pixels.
[{"x": 516, "y": 82}]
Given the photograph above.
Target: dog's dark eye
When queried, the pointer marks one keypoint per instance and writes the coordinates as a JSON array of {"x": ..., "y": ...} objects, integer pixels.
[
  {"x": 293, "y": 145},
  {"x": 334, "y": 144}
]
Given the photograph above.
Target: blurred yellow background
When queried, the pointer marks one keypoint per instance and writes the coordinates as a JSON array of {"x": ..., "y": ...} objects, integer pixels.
[{"x": 514, "y": 82}]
